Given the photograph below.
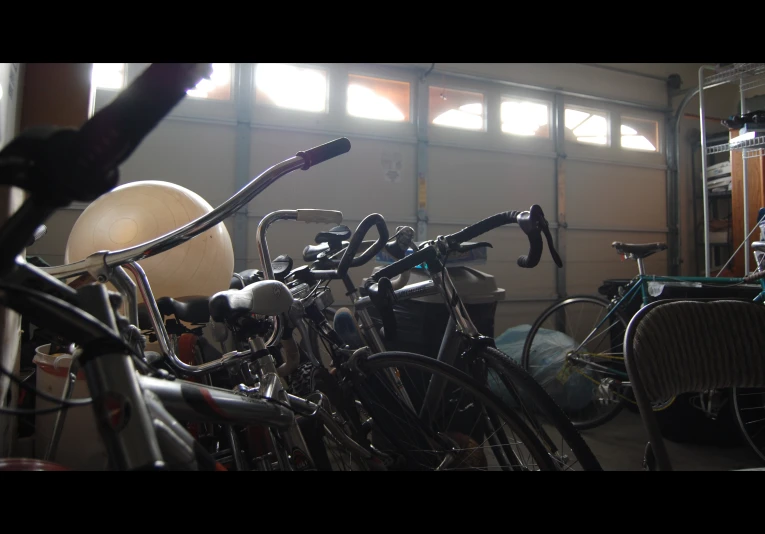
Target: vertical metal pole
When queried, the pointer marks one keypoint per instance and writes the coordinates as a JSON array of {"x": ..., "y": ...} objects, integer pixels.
[
  {"x": 559, "y": 121},
  {"x": 421, "y": 109},
  {"x": 704, "y": 192},
  {"x": 243, "y": 78},
  {"x": 745, "y": 188},
  {"x": 673, "y": 207}
]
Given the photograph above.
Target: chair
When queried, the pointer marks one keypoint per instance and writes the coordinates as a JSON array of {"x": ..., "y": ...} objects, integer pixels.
[{"x": 673, "y": 347}]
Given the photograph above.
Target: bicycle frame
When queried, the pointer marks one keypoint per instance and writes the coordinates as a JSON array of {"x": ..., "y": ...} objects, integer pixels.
[{"x": 639, "y": 285}]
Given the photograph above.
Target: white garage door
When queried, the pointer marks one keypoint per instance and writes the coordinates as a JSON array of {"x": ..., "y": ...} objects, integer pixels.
[{"x": 480, "y": 147}]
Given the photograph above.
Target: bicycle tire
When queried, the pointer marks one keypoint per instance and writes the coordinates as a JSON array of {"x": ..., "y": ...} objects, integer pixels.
[
  {"x": 740, "y": 404},
  {"x": 493, "y": 405},
  {"x": 615, "y": 407},
  {"x": 542, "y": 401}
]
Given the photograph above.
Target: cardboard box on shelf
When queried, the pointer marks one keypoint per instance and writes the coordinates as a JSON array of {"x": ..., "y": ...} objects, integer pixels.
[{"x": 718, "y": 170}]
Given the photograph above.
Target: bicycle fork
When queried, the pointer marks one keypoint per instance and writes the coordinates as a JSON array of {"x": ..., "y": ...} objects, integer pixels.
[
  {"x": 121, "y": 414},
  {"x": 291, "y": 448}
]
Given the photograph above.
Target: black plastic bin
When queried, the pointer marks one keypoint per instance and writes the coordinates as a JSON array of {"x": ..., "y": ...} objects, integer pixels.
[{"x": 421, "y": 323}]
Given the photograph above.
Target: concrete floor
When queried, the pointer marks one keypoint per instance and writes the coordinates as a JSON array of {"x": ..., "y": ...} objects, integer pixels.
[{"x": 620, "y": 445}]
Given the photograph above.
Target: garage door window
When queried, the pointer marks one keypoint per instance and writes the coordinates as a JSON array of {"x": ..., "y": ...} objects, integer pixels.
[
  {"x": 291, "y": 87},
  {"x": 524, "y": 117},
  {"x": 640, "y": 134},
  {"x": 218, "y": 87},
  {"x": 377, "y": 98},
  {"x": 108, "y": 76},
  {"x": 587, "y": 126},
  {"x": 456, "y": 109}
]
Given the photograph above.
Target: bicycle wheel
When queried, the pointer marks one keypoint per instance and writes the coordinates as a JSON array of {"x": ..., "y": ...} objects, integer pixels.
[
  {"x": 553, "y": 428},
  {"x": 327, "y": 449},
  {"x": 578, "y": 360},
  {"x": 749, "y": 408},
  {"x": 465, "y": 427}
]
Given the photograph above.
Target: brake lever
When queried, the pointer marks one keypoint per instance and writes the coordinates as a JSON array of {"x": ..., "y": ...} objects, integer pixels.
[
  {"x": 548, "y": 237},
  {"x": 536, "y": 223},
  {"x": 383, "y": 299}
]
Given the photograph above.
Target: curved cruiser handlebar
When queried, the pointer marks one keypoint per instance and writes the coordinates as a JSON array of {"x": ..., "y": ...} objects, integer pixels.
[
  {"x": 207, "y": 221},
  {"x": 349, "y": 258}
]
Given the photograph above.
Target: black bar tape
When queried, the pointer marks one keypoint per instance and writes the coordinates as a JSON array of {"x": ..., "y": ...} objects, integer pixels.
[{"x": 481, "y": 227}]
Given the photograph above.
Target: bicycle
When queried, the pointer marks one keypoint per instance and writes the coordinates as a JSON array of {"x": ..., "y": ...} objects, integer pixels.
[
  {"x": 594, "y": 352},
  {"x": 136, "y": 404},
  {"x": 462, "y": 344},
  {"x": 362, "y": 407}
]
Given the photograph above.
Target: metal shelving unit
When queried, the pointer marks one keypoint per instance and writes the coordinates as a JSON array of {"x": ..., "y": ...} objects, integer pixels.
[
  {"x": 748, "y": 76},
  {"x": 717, "y": 202}
]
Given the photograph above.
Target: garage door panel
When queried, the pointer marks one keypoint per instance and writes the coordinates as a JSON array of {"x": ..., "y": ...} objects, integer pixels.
[
  {"x": 356, "y": 183},
  {"x": 590, "y": 259},
  {"x": 502, "y": 262},
  {"x": 197, "y": 156},
  {"x": 596, "y": 246},
  {"x": 53, "y": 244},
  {"x": 615, "y": 196},
  {"x": 467, "y": 184},
  {"x": 511, "y": 314}
]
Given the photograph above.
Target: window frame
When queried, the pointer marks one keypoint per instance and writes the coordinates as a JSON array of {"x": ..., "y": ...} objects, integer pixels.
[
  {"x": 550, "y": 104},
  {"x": 394, "y": 78},
  {"x": 190, "y": 108},
  {"x": 315, "y": 66},
  {"x": 592, "y": 111},
  {"x": 464, "y": 89},
  {"x": 659, "y": 137}
]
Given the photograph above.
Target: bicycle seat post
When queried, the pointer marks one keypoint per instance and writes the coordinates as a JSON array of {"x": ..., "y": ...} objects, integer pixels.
[{"x": 641, "y": 267}]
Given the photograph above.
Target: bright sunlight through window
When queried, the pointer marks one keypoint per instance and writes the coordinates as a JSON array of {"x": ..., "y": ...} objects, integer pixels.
[
  {"x": 587, "y": 127},
  {"x": 521, "y": 117},
  {"x": 375, "y": 98},
  {"x": 288, "y": 86},
  {"x": 456, "y": 109},
  {"x": 218, "y": 87},
  {"x": 108, "y": 76},
  {"x": 640, "y": 134}
]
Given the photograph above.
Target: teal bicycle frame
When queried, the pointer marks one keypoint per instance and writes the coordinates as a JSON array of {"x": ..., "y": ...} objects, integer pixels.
[{"x": 639, "y": 285}]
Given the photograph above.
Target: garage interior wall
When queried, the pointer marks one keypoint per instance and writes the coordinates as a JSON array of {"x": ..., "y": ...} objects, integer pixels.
[{"x": 592, "y": 195}]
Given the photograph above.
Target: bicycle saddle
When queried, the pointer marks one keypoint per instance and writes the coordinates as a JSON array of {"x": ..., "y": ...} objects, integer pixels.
[
  {"x": 267, "y": 297},
  {"x": 640, "y": 251},
  {"x": 194, "y": 310},
  {"x": 281, "y": 266},
  {"x": 337, "y": 234},
  {"x": 311, "y": 252},
  {"x": 189, "y": 310}
]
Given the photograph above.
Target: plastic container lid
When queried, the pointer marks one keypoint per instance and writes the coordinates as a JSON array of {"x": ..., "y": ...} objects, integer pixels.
[{"x": 473, "y": 286}]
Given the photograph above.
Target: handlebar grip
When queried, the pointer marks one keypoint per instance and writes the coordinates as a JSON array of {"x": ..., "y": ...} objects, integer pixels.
[
  {"x": 324, "y": 152},
  {"x": 320, "y": 216},
  {"x": 348, "y": 260},
  {"x": 112, "y": 134},
  {"x": 481, "y": 227}
]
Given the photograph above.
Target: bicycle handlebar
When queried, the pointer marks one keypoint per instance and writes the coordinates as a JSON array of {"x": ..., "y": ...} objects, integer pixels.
[
  {"x": 533, "y": 224},
  {"x": 60, "y": 165},
  {"x": 349, "y": 258},
  {"x": 324, "y": 152},
  {"x": 205, "y": 222}
]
